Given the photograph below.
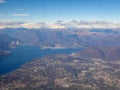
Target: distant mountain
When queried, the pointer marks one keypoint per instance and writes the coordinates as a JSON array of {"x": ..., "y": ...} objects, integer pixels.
[
  {"x": 103, "y": 30},
  {"x": 6, "y": 42},
  {"x": 65, "y": 38}
]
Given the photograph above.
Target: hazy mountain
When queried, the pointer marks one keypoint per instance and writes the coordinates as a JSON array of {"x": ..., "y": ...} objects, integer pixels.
[
  {"x": 6, "y": 42},
  {"x": 57, "y": 38}
]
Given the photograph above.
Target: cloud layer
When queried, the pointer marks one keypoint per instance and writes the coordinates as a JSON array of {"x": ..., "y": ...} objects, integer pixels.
[{"x": 60, "y": 24}]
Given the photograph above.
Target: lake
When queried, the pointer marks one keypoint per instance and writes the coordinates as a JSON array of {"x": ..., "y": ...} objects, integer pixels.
[{"x": 23, "y": 54}]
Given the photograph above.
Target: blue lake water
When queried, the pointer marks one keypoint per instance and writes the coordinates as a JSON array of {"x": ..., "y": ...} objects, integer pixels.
[{"x": 22, "y": 54}]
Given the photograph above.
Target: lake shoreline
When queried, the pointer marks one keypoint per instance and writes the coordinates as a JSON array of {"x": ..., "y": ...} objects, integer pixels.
[{"x": 23, "y": 54}]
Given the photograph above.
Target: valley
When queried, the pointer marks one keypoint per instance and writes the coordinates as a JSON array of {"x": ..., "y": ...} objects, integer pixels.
[{"x": 93, "y": 64}]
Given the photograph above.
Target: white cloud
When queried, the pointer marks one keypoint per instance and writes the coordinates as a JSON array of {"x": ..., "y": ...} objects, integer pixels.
[
  {"x": 2, "y": 1},
  {"x": 32, "y": 25},
  {"x": 20, "y": 14},
  {"x": 60, "y": 25},
  {"x": 10, "y": 24},
  {"x": 89, "y": 24}
]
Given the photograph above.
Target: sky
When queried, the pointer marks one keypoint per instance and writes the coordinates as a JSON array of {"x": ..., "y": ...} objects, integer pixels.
[{"x": 55, "y": 10}]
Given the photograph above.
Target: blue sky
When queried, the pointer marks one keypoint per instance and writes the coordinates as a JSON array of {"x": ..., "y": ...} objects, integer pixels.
[{"x": 53, "y": 10}]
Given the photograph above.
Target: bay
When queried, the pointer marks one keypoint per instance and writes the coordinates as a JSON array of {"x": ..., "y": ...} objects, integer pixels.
[{"x": 23, "y": 54}]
